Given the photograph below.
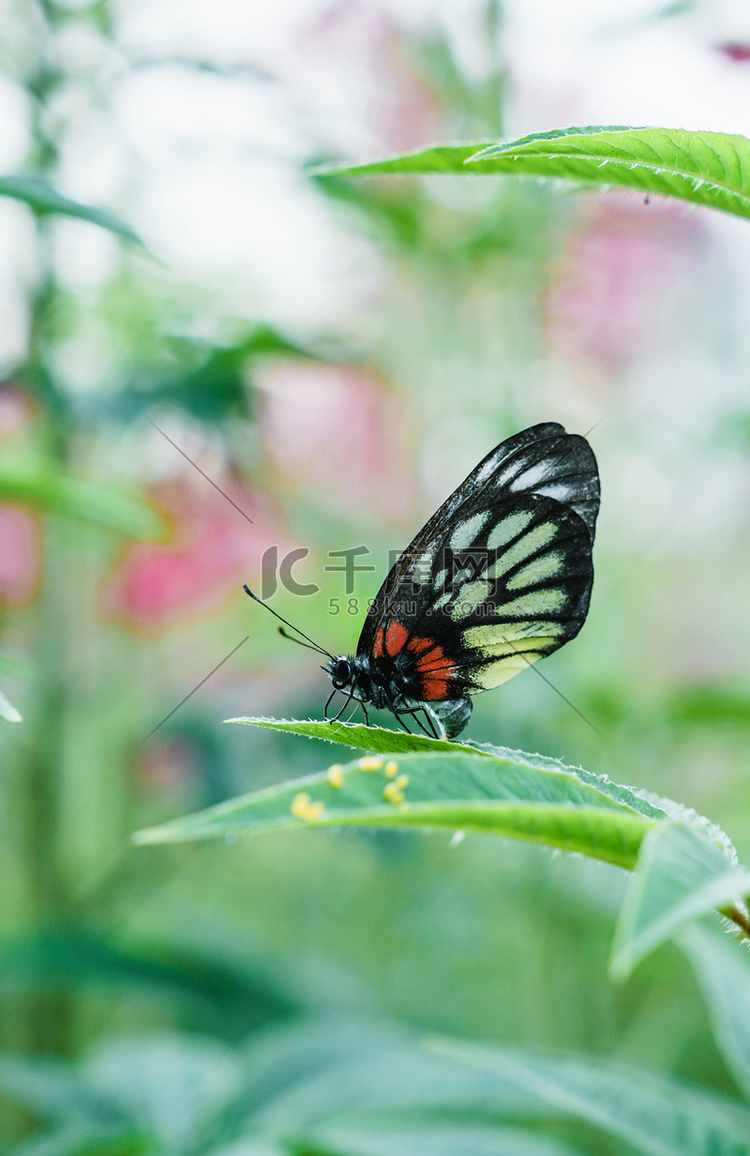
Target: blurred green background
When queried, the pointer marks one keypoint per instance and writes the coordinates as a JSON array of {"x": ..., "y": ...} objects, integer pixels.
[{"x": 336, "y": 357}]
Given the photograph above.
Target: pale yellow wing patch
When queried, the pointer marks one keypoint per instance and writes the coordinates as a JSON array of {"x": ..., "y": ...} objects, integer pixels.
[
  {"x": 508, "y": 528},
  {"x": 542, "y": 569},
  {"x": 509, "y": 649},
  {"x": 466, "y": 532},
  {"x": 534, "y": 540},
  {"x": 470, "y": 596},
  {"x": 536, "y": 603}
]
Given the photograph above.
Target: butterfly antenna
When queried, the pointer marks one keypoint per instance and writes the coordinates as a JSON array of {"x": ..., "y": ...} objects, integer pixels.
[
  {"x": 593, "y": 427},
  {"x": 312, "y": 646},
  {"x": 299, "y": 642},
  {"x": 553, "y": 687}
]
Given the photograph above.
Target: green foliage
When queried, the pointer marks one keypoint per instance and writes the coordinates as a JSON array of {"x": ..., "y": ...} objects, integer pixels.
[
  {"x": 46, "y": 488},
  {"x": 705, "y": 168},
  {"x": 7, "y": 711},
  {"x": 659, "y": 1117},
  {"x": 209, "y": 382},
  {"x": 43, "y": 199},
  {"x": 683, "y": 866},
  {"x": 354, "y": 1087},
  {"x": 724, "y": 976},
  {"x": 426, "y": 1139},
  {"x": 362, "y": 738},
  {"x": 15, "y": 667},
  {"x": 220, "y": 997},
  {"x": 517, "y": 795},
  {"x": 184, "y": 964},
  {"x": 681, "y": 875},
  {"x": 447, "y": 158}
]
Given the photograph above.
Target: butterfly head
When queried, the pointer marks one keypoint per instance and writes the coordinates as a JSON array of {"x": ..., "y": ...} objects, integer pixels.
[{"x": 340, "y": 670}]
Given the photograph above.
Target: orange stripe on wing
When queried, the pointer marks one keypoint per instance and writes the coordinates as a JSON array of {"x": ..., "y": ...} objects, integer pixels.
[
  {"x": 389, "y": 641},
  {"x": 395, "y": 637},
  {"x": 432, "y": 664},
  {"x": 435, "y": 688},
  {"x": 434, "y": 668}
]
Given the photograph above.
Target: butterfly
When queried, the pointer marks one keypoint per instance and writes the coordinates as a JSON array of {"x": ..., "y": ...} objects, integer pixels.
[{"x": 499, "y": 577}]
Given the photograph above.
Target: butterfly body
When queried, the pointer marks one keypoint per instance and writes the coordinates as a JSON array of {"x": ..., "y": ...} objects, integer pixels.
[
  {"x": 392, "y": 683},
  {"x": 498, "y": 578}
]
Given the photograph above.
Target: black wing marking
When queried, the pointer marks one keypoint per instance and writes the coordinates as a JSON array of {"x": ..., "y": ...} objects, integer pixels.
[
  {"x": 556, "y": 469},
  {"x": 523, "y": 592}
]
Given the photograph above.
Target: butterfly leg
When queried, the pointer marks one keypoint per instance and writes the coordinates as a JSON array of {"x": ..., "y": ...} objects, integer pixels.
[
  {"x": 362, "y": 703},
  {"x": 400, "y": 721},
  {"x": 438, "y": 731},
  {"x": 328, "y": 703},
  {"x": 396, "y": 712},
  {"x": 414, "y": 712},
  {"x": 347, "y": 700},
  {"x": 421, "y": 725}
]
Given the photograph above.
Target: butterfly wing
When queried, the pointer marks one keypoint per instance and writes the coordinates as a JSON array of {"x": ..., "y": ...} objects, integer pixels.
[{"x": 500, "y": 576}]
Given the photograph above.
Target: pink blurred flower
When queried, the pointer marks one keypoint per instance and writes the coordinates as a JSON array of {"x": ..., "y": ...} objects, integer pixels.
[
  {"x": 213, "y": 551},
  {"x": 20, "y": 557},
  {"x": 16, "y": 408},
  {"x": 340, "y": 430},
  {"x": 354, "y": 48},
  {"x": 612, "y": 293},
  {"x": 738, "y": 53},
  {"x": 168, "y": 764}
]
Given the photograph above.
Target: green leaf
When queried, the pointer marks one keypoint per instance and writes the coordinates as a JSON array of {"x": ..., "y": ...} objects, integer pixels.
[
  {"x": 384, "y": 741},
  {"x": 80, "y": 1140},
  {"x": 43, "y": 199},
  {"x": 86, "y": 1123},
  {"x": 442, "y": 158},
  {"x": 705, "y": 168},
  {"x": 16, "y": 667},
  {"x": 209, "y": 381},
  {"x": 658, "y": 1116},
  {"x": 362, "y": 738},
  {"x": 717, "y": 706},
  {"x": 330, "y": 1068},
  {"x": 682, "y": 874},
  {"x": 52, "y": 1091},
  {"x": 435, "y": 1140},
  {"x": 41, "y": 487},
  {"x": 8, "y": 711},
  {"x": 169, "y": 1084},
  {"x": 690, "y": 866},
  {"x": 518, "y": 797},
  {"x": 73, "y": 956},
  {"x": 723, "y": 971}
]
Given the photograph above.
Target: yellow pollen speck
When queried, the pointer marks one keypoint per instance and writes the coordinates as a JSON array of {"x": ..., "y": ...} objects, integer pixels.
[
  {"x": 393, "y": 794},
  {"x": 300, "y": 803},
  {"x": 370, "y": 763},
  {"x": 402, "y": 781},
  {"x": 391, "y": 768},
  {"x": 335, "y": 775},
  {"x": 302, "y": 807}
]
